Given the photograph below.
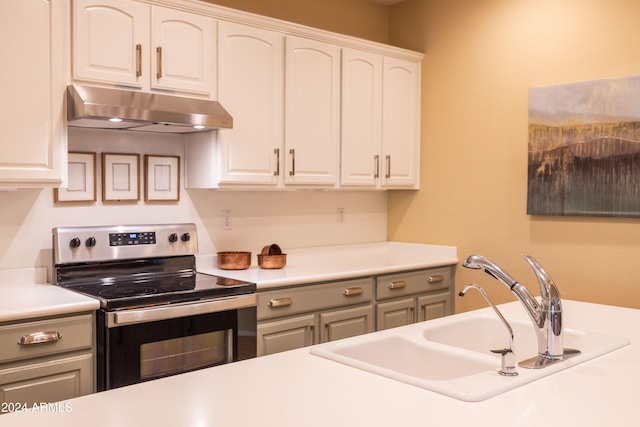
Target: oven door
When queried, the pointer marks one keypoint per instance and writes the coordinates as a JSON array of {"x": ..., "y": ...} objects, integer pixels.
[{"x": 148, "y": 343}]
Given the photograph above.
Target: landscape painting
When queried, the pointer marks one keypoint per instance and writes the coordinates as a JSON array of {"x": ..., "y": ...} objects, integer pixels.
[{"x": 584, "y": 149}]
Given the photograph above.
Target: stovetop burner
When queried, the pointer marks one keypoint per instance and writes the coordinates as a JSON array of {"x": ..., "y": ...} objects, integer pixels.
[{"x": 125, "y": 293}]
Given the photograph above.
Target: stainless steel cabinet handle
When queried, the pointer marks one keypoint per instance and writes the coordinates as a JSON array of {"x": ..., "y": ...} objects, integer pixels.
[
  {"x": 348, "y": 292},
  {"x": 40, "y": 338},
  {"x": 159, "y": 61},
  {"x": 138, "y": 60},
  {"x": 276, "y": 151},
  {"x": 435, "y": 279},
  {"x": 388, "y": 160},
  {"x": 376, "y": 166},
  {"x": 397, "y": 284},
  {"x": 292, "y": 152},
  {"x": 280, "y": 302}
]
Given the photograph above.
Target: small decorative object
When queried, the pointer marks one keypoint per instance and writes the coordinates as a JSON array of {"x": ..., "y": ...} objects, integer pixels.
[
  {"x": 584, "y": 149},
  {"x": 233, "y": 260},
  {"x": 120, "y": 178},
  {"x": 81, "y": 179},
  {"x": 162, "y": 181}
]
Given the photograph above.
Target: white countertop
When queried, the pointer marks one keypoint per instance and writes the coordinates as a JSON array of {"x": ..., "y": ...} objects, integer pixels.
[
  {"x": 297, "y": 389},
  {"x": 25, "y": 294},
  {"x": 327, "y": 263}
]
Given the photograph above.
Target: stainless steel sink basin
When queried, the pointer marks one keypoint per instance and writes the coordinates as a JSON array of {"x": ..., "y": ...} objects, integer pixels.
[{"x": 452, "y": 355}]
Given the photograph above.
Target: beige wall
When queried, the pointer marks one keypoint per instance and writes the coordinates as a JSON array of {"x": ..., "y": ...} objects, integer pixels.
[
  {"x": 358, "y": 18},
  {"x": 481, "y": 58}
]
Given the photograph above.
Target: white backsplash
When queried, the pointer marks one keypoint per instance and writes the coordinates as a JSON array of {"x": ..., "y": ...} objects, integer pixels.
[{"x": 293, "y": 219}]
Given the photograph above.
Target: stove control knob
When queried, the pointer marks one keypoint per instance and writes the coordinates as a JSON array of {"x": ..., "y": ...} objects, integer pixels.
[
  {"x": 185, "y": 237},
  {"x": 90, "y": 242},
  {"x": 173, "y": 237},
  {"x": 74, "y": 243}
]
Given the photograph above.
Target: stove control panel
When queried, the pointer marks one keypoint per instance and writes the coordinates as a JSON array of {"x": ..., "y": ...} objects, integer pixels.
[
  {"x": 131, "y": 238},
  {"x": 110, "y": 243}
]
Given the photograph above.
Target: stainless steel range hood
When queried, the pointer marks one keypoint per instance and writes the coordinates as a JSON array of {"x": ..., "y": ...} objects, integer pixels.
[{"x": 95, "y": 107}]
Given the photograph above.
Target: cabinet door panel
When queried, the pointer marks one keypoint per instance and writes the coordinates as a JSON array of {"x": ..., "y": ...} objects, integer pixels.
[
  {"x": 282, "y": 335},
  {"x": 312, "y": 111},
  {"x": 32, "y": 84},
  {"x": 395, "y": 313},
  {"x": 434, "y": 306},
  {"x": 185, "y": 61},
  {"x": 251, "y": 88},
  {"x": 346, "y": 323},
  {"x": 361, "y": 116},
  {"x": 400, "y": 123},
  {"x": 48, "y": 381},
  {"x": 106, "y": 39}
]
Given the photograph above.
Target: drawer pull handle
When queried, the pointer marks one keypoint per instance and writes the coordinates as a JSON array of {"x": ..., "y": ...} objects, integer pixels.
[
  {"x": 349, "y": 292},
  {"x": 435, "y": 279},
  {"x": 40, "y": 338},
  {"x": 397, "y": 285},
  {"x": 280, "y": 302}
]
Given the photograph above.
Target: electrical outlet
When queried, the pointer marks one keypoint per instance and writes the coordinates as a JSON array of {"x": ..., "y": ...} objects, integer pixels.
[
  {"x": 340, "y": 215},
  {"x": 226, "y": 219}
]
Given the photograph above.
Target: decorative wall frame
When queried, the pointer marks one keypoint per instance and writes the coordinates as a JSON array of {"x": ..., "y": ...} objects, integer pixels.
[
  {"x": 120, "y": 177},
  {"x": 162, "y": 178},
  {"x": 81, "y": 179},
  {"x": 584, "y": 149}
]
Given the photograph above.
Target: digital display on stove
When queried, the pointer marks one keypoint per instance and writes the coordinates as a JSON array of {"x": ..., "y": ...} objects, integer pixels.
[{"x": 130, "y": 239}]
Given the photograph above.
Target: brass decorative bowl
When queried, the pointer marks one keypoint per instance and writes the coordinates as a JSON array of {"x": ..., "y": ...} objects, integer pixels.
[{"x": 234, "y": 260}]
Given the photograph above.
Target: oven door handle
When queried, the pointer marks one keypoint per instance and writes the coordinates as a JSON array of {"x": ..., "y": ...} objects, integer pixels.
[{"x": 128, "y": 317}]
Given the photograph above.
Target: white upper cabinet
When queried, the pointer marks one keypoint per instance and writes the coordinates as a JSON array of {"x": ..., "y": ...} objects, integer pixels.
[
  {"x": 380, "y": 121},
  {"x": 312, "y": 111},
  {"x": 251, "y": 88},
  {"x": 124, "y": 42},
  {"x": 32, "y": 84},
  {"x": 361, "y": 141},
  {"x": 400, "y": 123}
]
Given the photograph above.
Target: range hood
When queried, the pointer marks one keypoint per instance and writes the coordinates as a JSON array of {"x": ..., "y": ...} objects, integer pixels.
[{"x": 96, "y": 107}]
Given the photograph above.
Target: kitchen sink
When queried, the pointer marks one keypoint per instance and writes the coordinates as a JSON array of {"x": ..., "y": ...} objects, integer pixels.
[{"x": 452, "y": 356}]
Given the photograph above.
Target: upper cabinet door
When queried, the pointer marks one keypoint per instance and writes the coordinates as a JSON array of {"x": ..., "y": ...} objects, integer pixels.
[
  {"x": 134, "y": 44},
  {"x": 182, "y": 48},
  {"x": 361, "y": 118},
  {"x": 111, "y": 42},
  {"x": 32, "y": 84},
  {"x": 312, "y": 111},
  {"x": 251, "y": 88},
  {"x": 401, "y": 124}
]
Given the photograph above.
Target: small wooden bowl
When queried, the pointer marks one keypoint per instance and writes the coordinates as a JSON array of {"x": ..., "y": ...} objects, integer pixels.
[{"x": 234, "y": 260}]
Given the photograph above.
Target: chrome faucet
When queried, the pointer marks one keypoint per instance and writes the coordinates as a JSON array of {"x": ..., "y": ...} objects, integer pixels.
[{"x": 546, "y": 315}]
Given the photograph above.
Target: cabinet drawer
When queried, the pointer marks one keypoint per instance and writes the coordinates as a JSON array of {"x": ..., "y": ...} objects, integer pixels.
[
  {"x": 414, "y": 282},
  {"x": 301, "y": 299},
  {"x": 44, "y": 337}
]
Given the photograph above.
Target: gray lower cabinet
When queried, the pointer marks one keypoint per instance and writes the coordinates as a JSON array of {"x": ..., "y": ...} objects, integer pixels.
[
  {"x": 300, "y": 316},
  {"x": 304, "y": 315},
  {"x": 415, "y": 296},
  {"x": 47, "y": 360}
]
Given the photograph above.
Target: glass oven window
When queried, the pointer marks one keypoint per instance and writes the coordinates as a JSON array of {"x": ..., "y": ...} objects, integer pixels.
[{"x": 173, "y": 356}]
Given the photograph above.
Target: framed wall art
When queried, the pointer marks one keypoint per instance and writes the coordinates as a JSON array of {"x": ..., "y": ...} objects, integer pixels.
[
  {"x": 120, "y": 177},
  {"x": 584, "y": 149},
  {"x": 162, "y": 178},
  {"x": 81, "y": 179}
]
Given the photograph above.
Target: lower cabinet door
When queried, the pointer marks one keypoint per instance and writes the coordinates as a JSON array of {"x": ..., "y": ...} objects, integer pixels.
[
  {"x": 395, "y": 313},
  {"x": 434, "y": 306},
  {"x": 47, "y": 381},
  {"x": 282, "y": 335},
  {"x": 347, "y": 323}
]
